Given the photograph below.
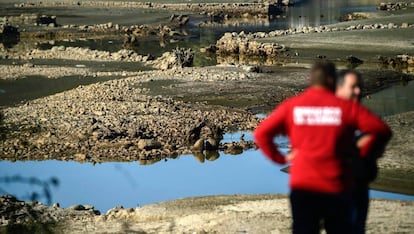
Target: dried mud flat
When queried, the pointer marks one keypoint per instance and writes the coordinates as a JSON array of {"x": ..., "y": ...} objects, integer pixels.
[{"x": 212, "y": 214}]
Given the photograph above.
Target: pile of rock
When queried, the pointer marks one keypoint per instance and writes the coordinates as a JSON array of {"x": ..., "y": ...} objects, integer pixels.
[
  {"x": 32, "y": 19},
  {"x": 176, "y": 59},
  {"x": 98, "y": 27},
  {"x": 235, "y": 148},
  {"x": 115, "y": 120},
  {"x": 205, "y": 139},
  {"x": 248, "y": 44},
  {"x": 242, "y": 36},
  {"x": 79, "y": 53},
  {"x": 400, "y": 61},
  {"x": 14, "y": 211},
  {"x": 180, "y": 20},
  {"x": 353, "y": 16},
  {"x": 172, "y": 31},
  {"x": 233, "y": 43},
  {"x": 392, "y": 6},
  {"x": 235, "y": 10},
  {"x": 45, "y": 20},
  {"x": 21, "y": 19}
]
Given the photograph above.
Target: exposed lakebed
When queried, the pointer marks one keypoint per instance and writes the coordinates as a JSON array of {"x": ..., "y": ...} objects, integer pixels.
[{"x": 60, "y": 93}]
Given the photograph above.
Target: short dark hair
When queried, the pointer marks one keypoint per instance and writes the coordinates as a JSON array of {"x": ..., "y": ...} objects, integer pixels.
[
  {"x": 323, "y": 72},
  {"x": 341, "y": 77}
]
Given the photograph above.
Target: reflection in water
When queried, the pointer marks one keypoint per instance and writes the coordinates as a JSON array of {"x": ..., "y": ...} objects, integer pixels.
[
  {"x": 394, "y": 100},
  {"x": 321, "y": 12},
  {"x": 35, "y": 188},
  {"x": 314, "y": 13},
  {"x": 108, "y": 185},
  {"x": 209, "y": 155},
  {"x": 307, "y": 13},
  {"x": 149, "y": 161}
]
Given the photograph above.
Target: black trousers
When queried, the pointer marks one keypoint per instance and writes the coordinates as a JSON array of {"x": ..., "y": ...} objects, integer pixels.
[
  {"x": 360, "y": 204},
  {"x": 310, "y": 210}
]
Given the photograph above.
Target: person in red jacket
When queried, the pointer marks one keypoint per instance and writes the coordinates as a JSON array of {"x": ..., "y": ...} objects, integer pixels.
[{"x": 321, "y": 128}]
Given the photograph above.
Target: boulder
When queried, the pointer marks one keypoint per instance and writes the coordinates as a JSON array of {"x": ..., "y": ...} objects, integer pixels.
[
  {"x": 148, "y": 144},
  {"x": 178, "y": 58},
  {"x": 354, "y": 61},
  {"x": 47, "y": 20},
  {"x": 8, "y": 31},
  {"x": 211, "y": 155}
]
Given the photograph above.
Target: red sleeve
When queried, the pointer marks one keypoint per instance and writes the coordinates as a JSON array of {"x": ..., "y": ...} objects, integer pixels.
[
  {"x": 264, "y": 134},
  {"x": 369, "y": 123}
]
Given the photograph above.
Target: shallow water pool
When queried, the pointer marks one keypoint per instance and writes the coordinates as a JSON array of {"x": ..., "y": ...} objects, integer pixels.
[{"x": 111, "y": 184}]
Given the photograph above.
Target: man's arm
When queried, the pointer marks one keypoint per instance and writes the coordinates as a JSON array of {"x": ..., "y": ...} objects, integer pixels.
[
  {"x": 377, "y": 132},
  {"x": 266, "y": 131}
]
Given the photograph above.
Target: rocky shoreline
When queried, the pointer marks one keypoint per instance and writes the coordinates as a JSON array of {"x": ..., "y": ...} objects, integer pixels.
[
  {"x": 78, "y": 53},
  {"x": 214, "y": 214},
  {"x": 240, "y": 10},
  {"x": 176, "y": 59},
  {"x": 257, "y": 44},
  {"x": 150, "y": 116},
  {"x": 116, "y": 120}
]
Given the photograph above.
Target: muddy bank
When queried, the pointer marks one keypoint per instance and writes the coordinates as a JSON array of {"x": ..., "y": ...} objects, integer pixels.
[
  {"x": 257, "y": 88},
  {"x": 214, "y": 214},
  {"x": 400, "y": 151},
  {"x": 396, "y": 167}
]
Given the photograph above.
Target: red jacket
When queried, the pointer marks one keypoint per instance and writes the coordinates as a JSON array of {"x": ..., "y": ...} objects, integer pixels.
[{"x": 321, "y": 128}]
